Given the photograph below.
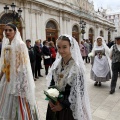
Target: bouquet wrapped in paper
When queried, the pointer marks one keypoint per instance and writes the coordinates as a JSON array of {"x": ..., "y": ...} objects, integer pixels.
[{"x": 53, "y": 94}]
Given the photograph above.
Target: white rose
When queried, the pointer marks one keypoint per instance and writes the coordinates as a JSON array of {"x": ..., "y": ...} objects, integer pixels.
[{"x": 53, "y": 92}]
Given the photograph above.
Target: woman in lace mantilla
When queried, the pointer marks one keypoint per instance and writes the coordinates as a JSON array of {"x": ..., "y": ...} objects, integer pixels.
[
  {"x": 68, "y": 74},
  {"x": 17, "y": 97},
  {"x": 100, "y": 71}
]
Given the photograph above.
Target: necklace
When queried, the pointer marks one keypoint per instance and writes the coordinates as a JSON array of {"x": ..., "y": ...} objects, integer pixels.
[
  {"x": 61, "y": 72},
  {"x": 64, "y": 64}
]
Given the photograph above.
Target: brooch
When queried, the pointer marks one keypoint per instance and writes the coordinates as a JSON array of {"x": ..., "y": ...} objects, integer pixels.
[{"x": 61, "y": 75}]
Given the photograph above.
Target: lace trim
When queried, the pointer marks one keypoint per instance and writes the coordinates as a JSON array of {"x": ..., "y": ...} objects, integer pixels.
[{"x": 77, "y": 97}]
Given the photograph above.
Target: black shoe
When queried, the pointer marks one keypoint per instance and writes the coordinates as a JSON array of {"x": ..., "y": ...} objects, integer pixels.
[
  {"x": 46, "y": 73},
  {"x": 40, "y": 76},
  {"x": 36, "y": 77},
  {"x": 99, "y": 83},
  {"x": 96, "y": 83},
  {"x": 112, "y": 91}
]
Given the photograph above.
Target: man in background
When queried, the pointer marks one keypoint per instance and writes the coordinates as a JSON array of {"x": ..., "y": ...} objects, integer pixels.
[{"x": 31, "y": 56}]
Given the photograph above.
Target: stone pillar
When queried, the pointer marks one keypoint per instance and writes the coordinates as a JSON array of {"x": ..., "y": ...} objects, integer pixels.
[{"x": 42, "y": 26}]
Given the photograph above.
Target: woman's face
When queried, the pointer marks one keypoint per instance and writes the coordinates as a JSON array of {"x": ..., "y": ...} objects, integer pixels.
[
  {"x": 99, "y": 41},
  {"x": 63, "y": 48},
  {"x": 38, "y": 43},
  {"x": 9, "y": 32}
]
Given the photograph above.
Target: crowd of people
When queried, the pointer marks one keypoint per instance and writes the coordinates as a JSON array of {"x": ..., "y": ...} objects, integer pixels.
[
  {"x": 45, "y": 52},
  {"x": 64, "y": 68}
]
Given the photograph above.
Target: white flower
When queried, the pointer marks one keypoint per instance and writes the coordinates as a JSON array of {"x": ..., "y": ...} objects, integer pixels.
[
  {"x": 91, "y": 55},
  {"x": 53, "y": 92}
]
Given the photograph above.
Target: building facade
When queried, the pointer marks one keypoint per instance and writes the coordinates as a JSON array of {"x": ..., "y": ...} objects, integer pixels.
[
  {"x": 47, "y": 19},
  {"x": 115, "y": 18}
]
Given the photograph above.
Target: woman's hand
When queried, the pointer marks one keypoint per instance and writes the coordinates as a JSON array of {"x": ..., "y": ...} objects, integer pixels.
[
  {"x": 56, "y": 107},
  {"x": 51, "y": 104}
]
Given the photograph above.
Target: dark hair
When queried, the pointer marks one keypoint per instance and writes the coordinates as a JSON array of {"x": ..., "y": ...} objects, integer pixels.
[
  {"x": 65, "y": 39},
  {"x": 12, "y": 26},
  {"x": 44, "y": 42},
  {"x": 28, "y": 40}
]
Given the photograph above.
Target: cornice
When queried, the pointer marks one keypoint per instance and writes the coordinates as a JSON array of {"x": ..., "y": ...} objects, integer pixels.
[{"x": 67, "y": 9}]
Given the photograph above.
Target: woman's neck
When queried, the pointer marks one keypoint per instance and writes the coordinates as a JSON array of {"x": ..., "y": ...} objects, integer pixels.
[
  {"x": 66, "y": 59},
  {"x": 10, "y": 41}
]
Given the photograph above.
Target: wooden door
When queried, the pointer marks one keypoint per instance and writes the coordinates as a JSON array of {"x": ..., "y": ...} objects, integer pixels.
[
  {"x": 51, "y": 35},
  {"x": 1, "y": 31}
]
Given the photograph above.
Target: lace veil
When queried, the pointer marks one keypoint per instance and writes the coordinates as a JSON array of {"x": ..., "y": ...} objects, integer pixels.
[
  {"x": 21, "y": 78},
  {"x": 78, "y": 95}
]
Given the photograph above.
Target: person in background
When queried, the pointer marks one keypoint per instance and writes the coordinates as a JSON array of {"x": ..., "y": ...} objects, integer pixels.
[
  {"x": 110, "y": 44},
  {"x": 52, "y": 50},
  {"x": 82, "y": 50},
  {"x": 41, "y": 44},
  {"x": 100, "y": 71},
  {"x": 38, "y": 53},
  {"x": 115, "y": 57},
  {"x": 87, "y": 50},
  {"x": 31, "y": 56},
  {"x": 46, "y": 55},
  {"x": 42, "y": 54}
]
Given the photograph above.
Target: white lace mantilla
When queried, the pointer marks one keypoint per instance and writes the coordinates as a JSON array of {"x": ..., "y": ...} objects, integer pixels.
[
  {"x": 71, "y": 74},
  {"x": 21, "y": 81}
]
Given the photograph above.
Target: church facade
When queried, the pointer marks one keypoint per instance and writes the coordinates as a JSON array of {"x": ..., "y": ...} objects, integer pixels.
[{"x": 47, "y": 19}]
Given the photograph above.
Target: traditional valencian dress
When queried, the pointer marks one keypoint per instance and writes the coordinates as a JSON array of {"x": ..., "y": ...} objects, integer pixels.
[
  {"x": 60, "y": 75},
  {"x": 100, "y": 71},
  {"x": 17, "y": 97},
  {"x": 70, "y": 79}
]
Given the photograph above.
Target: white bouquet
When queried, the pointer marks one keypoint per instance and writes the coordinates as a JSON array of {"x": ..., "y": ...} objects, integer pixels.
[{"x": 52, "y": 94}]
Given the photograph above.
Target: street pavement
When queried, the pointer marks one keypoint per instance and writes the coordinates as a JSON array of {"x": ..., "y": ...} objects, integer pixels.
[{"x": 103, "y": 105}]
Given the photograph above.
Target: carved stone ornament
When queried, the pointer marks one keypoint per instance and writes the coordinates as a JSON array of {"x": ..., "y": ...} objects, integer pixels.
[{"x": 35, "y": 11}]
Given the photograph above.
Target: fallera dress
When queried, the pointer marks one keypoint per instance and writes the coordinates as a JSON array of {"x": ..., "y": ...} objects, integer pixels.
[
  {"x": 100, "y": 71},
  {"x": 13, "y": 103}
]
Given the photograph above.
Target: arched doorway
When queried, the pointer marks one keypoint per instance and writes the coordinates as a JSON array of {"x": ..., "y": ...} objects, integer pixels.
[
  {"x": 51, "y": 31},
  {"x": 101, "y": 33},
  {"x": 75, "y": 33},
  {"x": 7, "y": 18},
  {"x": 91, "y": 34}
]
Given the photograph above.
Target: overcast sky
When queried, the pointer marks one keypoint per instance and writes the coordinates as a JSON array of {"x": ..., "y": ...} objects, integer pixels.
[{"x": 113, "y": 4}]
